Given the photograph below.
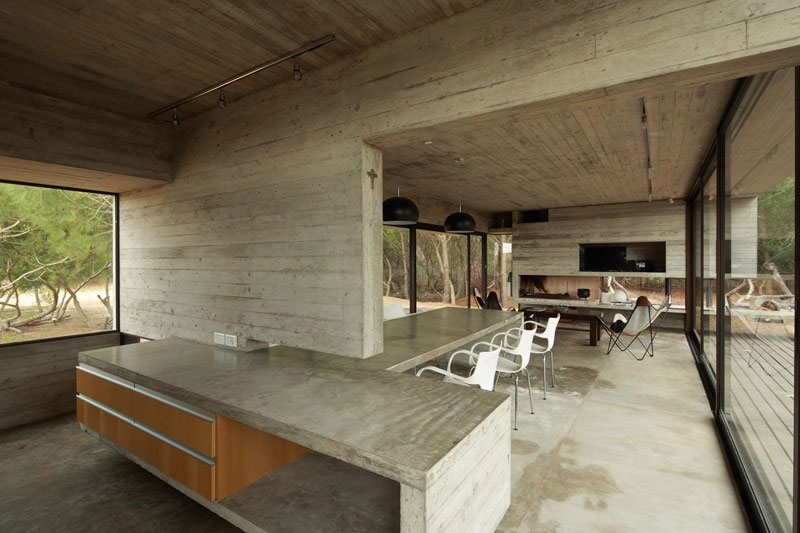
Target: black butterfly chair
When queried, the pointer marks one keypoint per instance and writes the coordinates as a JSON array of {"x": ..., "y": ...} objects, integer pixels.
[{"x": 644, "y": 322}]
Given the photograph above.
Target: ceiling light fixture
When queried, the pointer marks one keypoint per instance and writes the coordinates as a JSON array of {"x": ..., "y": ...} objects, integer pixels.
[
  {"x": 458, "y": 160},
  {"x": 399, "y": 211},
  {"x": 308, "y": 47},
  {"x": 459, "y": 222},
  {"x": 428, "y": 143},
  {"x": 221, "y": 101},
  {"x": 296, "y": 74}
]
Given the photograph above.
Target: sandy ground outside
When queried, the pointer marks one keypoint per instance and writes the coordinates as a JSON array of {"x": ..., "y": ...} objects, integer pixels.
[{"x": 73, "y": 324}]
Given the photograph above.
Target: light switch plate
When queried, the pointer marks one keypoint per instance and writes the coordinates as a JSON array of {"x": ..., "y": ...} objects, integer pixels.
[
  {"x": 219, "y": 338},
  {"x": 230, "y": 340}
]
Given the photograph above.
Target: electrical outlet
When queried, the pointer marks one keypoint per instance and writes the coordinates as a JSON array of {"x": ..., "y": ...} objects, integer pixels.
[
  {"x": 219, "y": 338},
  {"x": 231, "y": 341}
]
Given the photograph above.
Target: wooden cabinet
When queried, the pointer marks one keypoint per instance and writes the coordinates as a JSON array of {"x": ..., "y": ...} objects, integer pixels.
[
  {"x": 107, "y": 390},
  {"x": 111, "y": 427},
  {"x": 246, "y": 454},
  {"x": 210, "y": 454},
  {"x": 169, "y": 435},
  {"x": 194, "y": 473},
  {"x": 194, "y": 430}
]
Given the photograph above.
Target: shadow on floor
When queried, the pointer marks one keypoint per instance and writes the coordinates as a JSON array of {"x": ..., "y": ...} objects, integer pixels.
[{"x": 55, "y": 477}]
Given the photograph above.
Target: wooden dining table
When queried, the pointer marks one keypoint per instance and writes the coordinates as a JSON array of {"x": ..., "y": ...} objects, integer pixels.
[{"x": 592, "y": 320}]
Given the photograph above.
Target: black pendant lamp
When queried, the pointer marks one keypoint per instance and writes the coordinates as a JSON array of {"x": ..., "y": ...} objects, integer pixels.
[
  {"x": 459, "y": 222},
  {"x": 400, "y": 211}
]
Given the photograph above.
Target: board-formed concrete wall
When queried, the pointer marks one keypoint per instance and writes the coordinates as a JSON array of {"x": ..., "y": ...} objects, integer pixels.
[
  {"x": 48, "y": 140},
  {"x": 263, "y": 231},
  {"x": 37, "y": 380}
]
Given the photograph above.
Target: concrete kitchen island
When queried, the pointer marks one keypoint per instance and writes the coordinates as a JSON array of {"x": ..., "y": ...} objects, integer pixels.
[{"x": 291, "y": 439}]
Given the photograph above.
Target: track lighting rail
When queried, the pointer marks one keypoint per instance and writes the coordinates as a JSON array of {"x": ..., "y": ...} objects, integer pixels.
[{"x": 280, "y": 59}]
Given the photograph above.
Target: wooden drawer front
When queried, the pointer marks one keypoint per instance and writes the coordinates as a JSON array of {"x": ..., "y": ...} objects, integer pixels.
[
  {"x": 188, "y": 429},
  {"x": 106, "y": 424},
  {"x": 104, "y": 391},
  {"x": 180, "y": 466}
]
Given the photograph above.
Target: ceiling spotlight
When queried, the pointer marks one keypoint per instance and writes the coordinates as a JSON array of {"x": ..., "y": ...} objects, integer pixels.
[
  {"x": 458, "y": 160},
  {"x": 672, "y": 201},
  {"x": 175, "y": 120},
  {"x": 221, "y": 101},
  {"x": 428, "y": 143},
  {"x": 296, "y": 74}
]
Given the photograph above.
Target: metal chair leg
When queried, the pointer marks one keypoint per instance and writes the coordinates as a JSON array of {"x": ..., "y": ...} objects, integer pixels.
[
  {"x": 544, "y": 375},
  {"x": 530, "y": 395},
  {"x": 552, "y": 371},
  {"x": 496, "y": 379},
  {"x": 516, "y": 386}
]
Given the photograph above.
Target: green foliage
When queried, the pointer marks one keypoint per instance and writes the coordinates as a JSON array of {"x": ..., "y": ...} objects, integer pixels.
[
  {"x": 68, "y": 230},
  {"x": 776, "y": 226}
]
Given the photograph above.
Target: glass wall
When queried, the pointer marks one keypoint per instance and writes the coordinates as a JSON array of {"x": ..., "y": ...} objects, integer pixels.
[
  {"x": 697, "y": 237},
  {"x": 499, "y": 268},
  {"x": 396, "y": 271},
  {"x": 759, "y": 348},
  {"x": 56, "y": 263},
  {"x": 475, "y": 267},
  {"x": 441, "y": 270},
  {"x": 751, "y": 338},
  {"x": 709, "y": 270}
]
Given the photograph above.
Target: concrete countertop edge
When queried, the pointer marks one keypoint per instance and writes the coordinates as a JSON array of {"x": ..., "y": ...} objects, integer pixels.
[{"x": 313, "y": 441}]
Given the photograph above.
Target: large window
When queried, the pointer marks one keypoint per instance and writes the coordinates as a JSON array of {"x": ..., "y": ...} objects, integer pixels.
[
  {"x": 56, "y": 263},
  {"x": 759, "y": 348},
  {"x": 396, "y": 267},
  {"x": 709, "y": 269},
  {"x": 744, "y": 308},
  {"x": 441, "y": 270},
  {"x": 425, "y": 268},
  {"x": 500, "y": 268}
]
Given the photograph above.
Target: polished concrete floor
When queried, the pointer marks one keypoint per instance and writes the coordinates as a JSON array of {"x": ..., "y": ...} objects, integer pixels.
[{"x": 619, "y": 445}]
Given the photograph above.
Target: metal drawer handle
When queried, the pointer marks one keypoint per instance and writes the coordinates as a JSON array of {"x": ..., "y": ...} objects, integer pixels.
[
  {"x": 150, "y": 393},
  {"x": 149, "y": 431}
]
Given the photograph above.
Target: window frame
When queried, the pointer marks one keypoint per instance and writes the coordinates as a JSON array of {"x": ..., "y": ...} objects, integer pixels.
[
  {"x": 114, "y": 267},
  {"x": 412, "y": 259},
  {"x": 715, "y": 384}
]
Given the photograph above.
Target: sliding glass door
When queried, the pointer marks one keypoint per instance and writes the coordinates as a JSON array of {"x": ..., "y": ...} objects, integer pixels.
[
  {"x": 743, "y": 216},
  {"x": 425, "y": 268},
  {"x": 759, "y": 348}
]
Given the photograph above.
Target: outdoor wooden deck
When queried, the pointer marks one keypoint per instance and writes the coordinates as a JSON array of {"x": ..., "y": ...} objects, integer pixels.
[{"x": 761, "y": 408}]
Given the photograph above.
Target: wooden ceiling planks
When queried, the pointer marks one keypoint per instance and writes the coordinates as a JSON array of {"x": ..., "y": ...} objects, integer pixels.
[
  {"x": 589, "y": 155},
  {"x": 133, "y": 57}
]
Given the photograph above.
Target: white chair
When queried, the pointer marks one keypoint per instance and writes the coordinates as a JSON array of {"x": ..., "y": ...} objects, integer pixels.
[
  {"x": 482, "y": 374},
  {"x": 548, "y": 333},
  {"x": 392, "y": 311},
  {"x": 521, "y": 349}
]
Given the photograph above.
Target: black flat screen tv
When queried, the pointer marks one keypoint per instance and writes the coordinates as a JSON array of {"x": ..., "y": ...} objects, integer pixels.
[{"x": 603, "y": 258}]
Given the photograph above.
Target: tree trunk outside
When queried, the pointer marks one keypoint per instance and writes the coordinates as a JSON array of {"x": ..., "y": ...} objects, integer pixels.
[
  {"x": 405, "y": 269},
  {"x": 38, "y": 301},
  {"x": 449, "y": 292},
  {"x": 75, "y": 303},
  {"x": 503, "y": 267}
]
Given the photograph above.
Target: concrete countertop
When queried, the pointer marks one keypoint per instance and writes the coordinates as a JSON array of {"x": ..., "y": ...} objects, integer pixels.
[{"x": 393, "y": 424}]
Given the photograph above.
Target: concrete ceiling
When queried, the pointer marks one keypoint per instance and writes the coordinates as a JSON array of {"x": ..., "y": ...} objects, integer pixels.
[
  {"x": 134, "y": 57},
  {"x": 584, "y": 155}
]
